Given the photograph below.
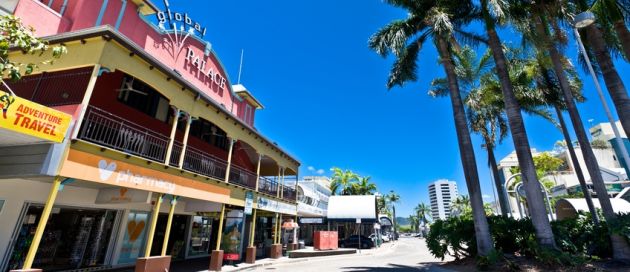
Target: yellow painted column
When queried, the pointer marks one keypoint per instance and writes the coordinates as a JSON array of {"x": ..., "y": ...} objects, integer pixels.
[
  {"x": 258, "y": 171},
  {"x": 171, "y": 140},
  {"x": 169, "y": 223},
  {"x": 276, "y": 239},
  {"x": 278, "y": 183},
  {"x": 220, "y": 232},
  {"x": 86, "y": 100},
  {"x": 182, "y": 155},
  {"x": 39, "y": 232},
  {"x": 282, "y": 184},
  {"x": 252, "y": 230},
  {"x": 154, "y": 218},
  {"x": 229, "y": 160}
]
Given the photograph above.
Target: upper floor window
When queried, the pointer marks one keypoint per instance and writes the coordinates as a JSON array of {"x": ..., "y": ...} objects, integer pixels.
[
  {"x": 209, "y": 133},
  {"x": 249, "y": 114},
  {"x": 140, "y": 96}
]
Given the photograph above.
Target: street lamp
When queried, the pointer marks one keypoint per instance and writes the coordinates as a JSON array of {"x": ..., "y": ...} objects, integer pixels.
[{"x": 582, "y": 20}]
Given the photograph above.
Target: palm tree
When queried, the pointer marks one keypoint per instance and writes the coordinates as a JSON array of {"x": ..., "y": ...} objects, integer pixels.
[
  {"x": 493, "y": 12},
  {"x": 342, "y": 181},
  {"x": 404, "y": 38},
  {"x": 615, "y": 14},
  {"x": 547, "y": 84},
  {"x": 460, "y": 206},
  {"x": 393, "y": 198},
  {"x": 363, "y": 187},
  {"x": 382, "y": 205},
  {"x": 423, "y": 213},
  {"x": 606, "y": 12},
  {"x": 541, "y": 14},
  {"x": 415, "y": 224}
]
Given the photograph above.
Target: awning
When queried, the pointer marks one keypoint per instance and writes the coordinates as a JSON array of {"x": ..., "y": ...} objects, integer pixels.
[
  {"x": 569, "y": 207},
  {"x": 350, "y": 208}
]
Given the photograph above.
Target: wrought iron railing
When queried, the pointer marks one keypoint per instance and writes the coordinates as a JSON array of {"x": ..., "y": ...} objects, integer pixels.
[
  {"x": 203, "y": 163},
  {"x": 242, "y": 177},
  {"x": 288, "y": 193},
  {"x": 109, "y": 130},
  {"x": 267, "y": 186}
]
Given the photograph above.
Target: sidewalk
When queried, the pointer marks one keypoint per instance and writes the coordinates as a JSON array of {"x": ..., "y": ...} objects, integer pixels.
[{"x": 284, "y": 260}]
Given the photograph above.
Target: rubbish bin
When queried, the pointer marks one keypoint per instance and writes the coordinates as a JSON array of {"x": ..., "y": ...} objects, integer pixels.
[{"x": 301, "y": 244}]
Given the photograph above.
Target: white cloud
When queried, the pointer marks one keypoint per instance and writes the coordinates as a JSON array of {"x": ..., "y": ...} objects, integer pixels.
[
  {"x": 310, "y": 168},
  {"x": 486, "y": 196},
  {"x": 320, "y": 171}
]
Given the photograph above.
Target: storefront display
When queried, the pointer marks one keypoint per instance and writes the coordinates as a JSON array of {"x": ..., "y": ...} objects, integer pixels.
[
  {"x": 232, "y": 241},
  {"x": 177, "y": 237},
  {"x": 74, "y": 238},
  {"x": 200, "y": 234},
  {"x": 135, "y": 235}
]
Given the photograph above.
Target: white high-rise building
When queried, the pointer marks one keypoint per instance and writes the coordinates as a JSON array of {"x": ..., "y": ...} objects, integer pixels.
[{"x": 441, "y": 193}]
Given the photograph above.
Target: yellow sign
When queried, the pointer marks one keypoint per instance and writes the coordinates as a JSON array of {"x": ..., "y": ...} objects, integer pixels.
[{"x": 23, "y": 116}]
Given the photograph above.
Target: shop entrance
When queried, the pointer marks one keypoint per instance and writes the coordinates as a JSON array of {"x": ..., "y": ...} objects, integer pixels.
[
  {"x": 177, "y": 237},
  {"x": 74, "y": 238}
]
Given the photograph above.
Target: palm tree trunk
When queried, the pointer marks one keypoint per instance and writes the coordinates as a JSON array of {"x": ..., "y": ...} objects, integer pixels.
[
  {"x": 533, "y": 189},
  {"x": 498, "y": 182},
  {"x": 613, "y": 81},
  {"x": 621, "y": 249},
  {"x": 624, "y": 37},
  {"x": 467, "y": 153},
  {"x": 577, "y": 168}
]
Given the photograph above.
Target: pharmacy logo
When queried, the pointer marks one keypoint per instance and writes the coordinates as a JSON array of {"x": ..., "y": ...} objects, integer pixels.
[{"x": 105, "y": 170}]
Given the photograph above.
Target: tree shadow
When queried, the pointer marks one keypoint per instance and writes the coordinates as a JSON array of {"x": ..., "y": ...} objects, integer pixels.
[{"x": 430, "y": 266}]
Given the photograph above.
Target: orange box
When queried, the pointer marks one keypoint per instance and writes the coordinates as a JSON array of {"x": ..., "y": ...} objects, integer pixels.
[{"x": 324, "y": 240}]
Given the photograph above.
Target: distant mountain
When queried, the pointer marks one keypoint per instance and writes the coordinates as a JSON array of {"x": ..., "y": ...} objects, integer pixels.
[{"x": 402, "y": 221}]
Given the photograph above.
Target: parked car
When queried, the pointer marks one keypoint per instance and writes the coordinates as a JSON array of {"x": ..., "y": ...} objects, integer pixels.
[{"x": 353, "y": 242}]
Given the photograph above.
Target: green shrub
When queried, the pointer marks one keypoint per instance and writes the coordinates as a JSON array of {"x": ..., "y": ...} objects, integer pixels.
[
  {"x": 454, "y": 236},
  {"x": 580, "y": 236},
  {"x": 509, "y": 234}
]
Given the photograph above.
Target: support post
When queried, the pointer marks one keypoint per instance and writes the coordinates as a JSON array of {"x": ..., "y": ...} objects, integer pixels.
[
  {"x": 216, "y": 258},
  {"x": 169, "y": 223},
  {"x": 171, "y": 140},
  {"x": 282, "y": 184},
  {"x": 154, "y": 218},
  {"x": 276, "y": 248},
  {"x": 182, "y": 155},
  {"x": 258, "y": 171},
  {"x": 86, "y": 100},
  {"x": 229, "y": 160},
  {"x": 250, "y": 253},
  {"x": 39, "y": 232}
]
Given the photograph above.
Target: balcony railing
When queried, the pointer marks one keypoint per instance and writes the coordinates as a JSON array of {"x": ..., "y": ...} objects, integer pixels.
[
  {"x": 267, "y": 186},
  {"x": 202, "y": 163},
  {"x": 288, "y": 193},
  {"x": 242, "y": 177},
  {"x": 109, "y": 130}
]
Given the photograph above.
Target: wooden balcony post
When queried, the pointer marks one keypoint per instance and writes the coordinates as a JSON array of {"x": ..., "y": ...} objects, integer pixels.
[
  {"x": 86, "y": 100},
  {"x": 282, "y": 184},
  {"x": 296, "y": 187},
  {"x": 229, "y": 160},
  {"x": 258, "y": 171},
  {"x": 182, "y": 154},
  {"x": 278, "y": 183},
  {"x": 171, "y": 140}
]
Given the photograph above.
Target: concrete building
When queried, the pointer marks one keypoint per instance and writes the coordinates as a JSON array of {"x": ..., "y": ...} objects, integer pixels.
[
  {"x": 441, "y": 193},
  {"x": 155, "y": 153}
]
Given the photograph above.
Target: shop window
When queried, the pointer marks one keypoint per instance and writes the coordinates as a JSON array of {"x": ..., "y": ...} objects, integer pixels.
[
  {"x": 140, "y": 96},
  {"x": 209, "y": 133},
  {"x": 74, "y": 238},
  {"x": 200, "y": 236}
]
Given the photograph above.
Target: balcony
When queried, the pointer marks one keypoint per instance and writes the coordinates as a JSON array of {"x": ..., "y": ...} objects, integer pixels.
[
  {"x": 288, "y": 193},
  {"x": 267, "y": 186},
  {"x": 109, "y": 130}
]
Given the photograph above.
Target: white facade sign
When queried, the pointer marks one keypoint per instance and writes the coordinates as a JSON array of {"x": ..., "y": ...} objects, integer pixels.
[{"x": 271, "y": 205}]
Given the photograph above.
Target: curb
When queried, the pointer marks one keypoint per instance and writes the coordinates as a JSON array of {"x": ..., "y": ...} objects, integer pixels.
[{"x": 270, "y": 264}]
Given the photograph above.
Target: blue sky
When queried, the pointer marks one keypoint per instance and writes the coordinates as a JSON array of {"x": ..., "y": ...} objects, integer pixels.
[{"x": 325, "y": 96}]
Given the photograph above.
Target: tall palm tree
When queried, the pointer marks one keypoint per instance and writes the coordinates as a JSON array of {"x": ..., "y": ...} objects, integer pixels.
[
  {"x": 616, "y": 14},
  {"x": 363, "y": 187},
  {"x": 423, "y": 212},
  {"x": 393, "y": 198},
  {"x": 595, "y": 38},
  {"x": 342, "y": 181},
  {"x": 437, "y": 21},
  {"x": 547, "y": 85},
  {"x": 542, "y": 12},
  {"x": 492, "y": 13},
  {"x": 415, "y": 223},
  {"x": 460, "y": 206}
]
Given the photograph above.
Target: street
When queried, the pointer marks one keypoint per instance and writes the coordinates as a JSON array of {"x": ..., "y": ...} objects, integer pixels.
[{"x": 408, "y": 254}]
